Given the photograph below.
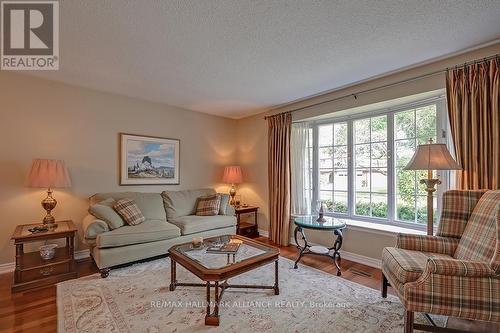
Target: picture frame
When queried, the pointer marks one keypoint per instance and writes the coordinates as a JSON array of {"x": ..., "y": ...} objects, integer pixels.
[{"x": 149, "y": 160}]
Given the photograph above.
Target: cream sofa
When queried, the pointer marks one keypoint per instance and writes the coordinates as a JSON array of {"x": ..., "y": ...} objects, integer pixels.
[{"x": 170, "y": 220}]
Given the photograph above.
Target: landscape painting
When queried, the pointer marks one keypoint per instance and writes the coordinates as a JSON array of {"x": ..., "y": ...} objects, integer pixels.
[{"x": 149, "y": 160}]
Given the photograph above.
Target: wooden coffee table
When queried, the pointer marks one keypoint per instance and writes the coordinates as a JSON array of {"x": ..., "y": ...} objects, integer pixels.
[{"x": 216, "y": 269}]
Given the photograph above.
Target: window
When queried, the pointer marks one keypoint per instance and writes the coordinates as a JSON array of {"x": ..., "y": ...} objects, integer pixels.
[
  {"x": 357, "y": 163},
  {"x": 370, "y": 166},
  {"x": 412, "y": 128},
  {"x": 332, "y": 164}
]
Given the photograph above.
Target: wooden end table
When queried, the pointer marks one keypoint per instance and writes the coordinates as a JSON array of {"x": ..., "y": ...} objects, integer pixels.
[
  {"x": 245, "y": 228},
  {"x": 216, "y": 269},
  {"x": 34, "y": 272}
]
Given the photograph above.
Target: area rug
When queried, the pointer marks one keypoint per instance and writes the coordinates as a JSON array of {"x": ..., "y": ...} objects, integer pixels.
[{"x": 137, "y": 299}]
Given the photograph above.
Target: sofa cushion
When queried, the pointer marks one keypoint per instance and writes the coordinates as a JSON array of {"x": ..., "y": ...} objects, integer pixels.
[
  {"x": 104, "y": 211},
  {"x": 478, "y": 242},
  {"x": 182, "y": 203},
  {"x": 148, "y": 231},
  {"x": 150, "y": 204},
  {"x": 192, "y": 223},
  {"x": 406, "y": 265}
]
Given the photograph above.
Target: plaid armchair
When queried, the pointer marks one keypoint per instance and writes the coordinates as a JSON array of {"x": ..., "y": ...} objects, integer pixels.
[{"x": 455, "y": 273}]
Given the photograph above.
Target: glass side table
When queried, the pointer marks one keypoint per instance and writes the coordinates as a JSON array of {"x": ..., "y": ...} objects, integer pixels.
[{"x": 331, "y": 224}]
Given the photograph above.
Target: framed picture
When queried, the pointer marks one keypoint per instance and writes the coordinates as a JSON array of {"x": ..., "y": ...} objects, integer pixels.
[{"x": 147, "y": 160}]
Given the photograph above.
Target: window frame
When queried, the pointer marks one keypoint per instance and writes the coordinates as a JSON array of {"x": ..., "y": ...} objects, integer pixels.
[{"x": 442, "y": 127}]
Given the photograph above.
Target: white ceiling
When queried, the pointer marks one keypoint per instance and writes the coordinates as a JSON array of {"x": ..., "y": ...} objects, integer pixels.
[{"x": 235, "y": 58}]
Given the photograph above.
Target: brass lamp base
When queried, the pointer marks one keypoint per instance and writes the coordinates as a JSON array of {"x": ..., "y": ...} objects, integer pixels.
[
  {"x": 430, "y": 184},
  {"x": 49, "y": 203},
  {"x": 232, "y": 193}
]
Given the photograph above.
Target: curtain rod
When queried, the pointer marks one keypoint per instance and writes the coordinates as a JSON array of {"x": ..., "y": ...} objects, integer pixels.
[{"x": 422, "y": 76}]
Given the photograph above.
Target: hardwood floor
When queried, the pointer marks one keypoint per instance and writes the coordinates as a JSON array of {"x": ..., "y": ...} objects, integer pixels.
[{"x": 35, "y": 311}]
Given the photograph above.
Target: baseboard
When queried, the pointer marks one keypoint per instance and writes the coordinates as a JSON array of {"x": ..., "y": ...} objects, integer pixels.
[
  {"x": 360, "y": 259},
  {"x": 9, "y": 267},
  {"x": 82, "y": 254}
]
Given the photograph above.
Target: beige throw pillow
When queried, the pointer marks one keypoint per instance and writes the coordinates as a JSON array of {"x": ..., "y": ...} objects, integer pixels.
[
  {"x": 129, "y": 211},
  {"x": 208, "y": 206},
  {"x": 104, "y": 211}
]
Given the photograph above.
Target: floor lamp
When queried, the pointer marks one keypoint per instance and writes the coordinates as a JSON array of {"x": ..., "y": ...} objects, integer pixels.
[{"x": 431, "y": 156}]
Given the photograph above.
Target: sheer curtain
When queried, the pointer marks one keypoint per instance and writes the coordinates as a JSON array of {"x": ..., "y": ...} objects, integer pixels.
[{"x": 301, "y": 151}]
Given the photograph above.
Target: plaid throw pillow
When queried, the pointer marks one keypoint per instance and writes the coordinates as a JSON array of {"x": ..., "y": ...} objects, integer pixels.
[
  {"x": 129, "y": 211},
  {"x": 209, "y": 205}
]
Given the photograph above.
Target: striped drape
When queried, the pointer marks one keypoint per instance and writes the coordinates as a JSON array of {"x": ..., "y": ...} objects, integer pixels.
[
  {"x": 279, "y": 129},
  {"x": 473, "y": 107}
]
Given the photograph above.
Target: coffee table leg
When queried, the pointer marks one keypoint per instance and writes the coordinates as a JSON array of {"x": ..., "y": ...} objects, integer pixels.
[
  {"x": 212, "y": 318},
  {"x": 276, "y": 278},
  {"x": 173, "y": 272}
]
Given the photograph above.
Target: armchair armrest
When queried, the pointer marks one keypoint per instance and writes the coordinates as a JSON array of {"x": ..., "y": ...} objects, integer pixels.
[
  {"x": 453, "y": 267},
  {"x": 456, "y": 288},
  {"x": 92, "y": 227},
  {"x": 425, "y": 243}
]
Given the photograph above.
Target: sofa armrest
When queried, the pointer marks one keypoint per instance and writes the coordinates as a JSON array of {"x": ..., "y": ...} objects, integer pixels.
[
  {"x": 230, "y": 210},
  {"x": 425, "y": 243},
  {"x": 454, "y": 267},
  {"x": 92, "y": 227}
]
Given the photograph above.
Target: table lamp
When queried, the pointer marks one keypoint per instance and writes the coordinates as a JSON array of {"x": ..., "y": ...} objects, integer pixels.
[
  {"x": 431, "y": 156},
  {"x": 48, "y": 174},
  {"x": 232, "y": 175}
]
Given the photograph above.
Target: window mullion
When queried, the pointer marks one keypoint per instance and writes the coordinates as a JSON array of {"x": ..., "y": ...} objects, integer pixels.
[
  {"x": 370, "y": 167},
  {"x": 415, "y": 206},
  {"x": 441, "y": 137},
  {"x": 350, "y": 169},
  {"x": 333, "y": 167},
  {"x": 391, "y": 183},
  {"x": 315, "y": 173}
]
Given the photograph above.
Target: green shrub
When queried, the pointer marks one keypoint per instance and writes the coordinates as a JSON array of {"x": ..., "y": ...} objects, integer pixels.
[
  {"x": 337, "y": 207},
  {"x": 379, "y": 209}
]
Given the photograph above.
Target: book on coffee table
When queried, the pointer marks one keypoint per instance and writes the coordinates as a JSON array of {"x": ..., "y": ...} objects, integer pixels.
[{"x": 229, "y": 248}]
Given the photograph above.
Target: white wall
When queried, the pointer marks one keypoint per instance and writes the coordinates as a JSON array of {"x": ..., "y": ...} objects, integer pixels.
[{"x": 45, "y": 119}]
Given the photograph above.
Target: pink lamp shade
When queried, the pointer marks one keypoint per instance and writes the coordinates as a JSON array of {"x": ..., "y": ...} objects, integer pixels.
[
  {"x": 48, "y": 174},
  {"x": 232, "y": 175}
]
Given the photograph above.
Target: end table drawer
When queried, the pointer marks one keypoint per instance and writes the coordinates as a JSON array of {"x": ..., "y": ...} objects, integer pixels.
[{"x": 43, "y": 272}]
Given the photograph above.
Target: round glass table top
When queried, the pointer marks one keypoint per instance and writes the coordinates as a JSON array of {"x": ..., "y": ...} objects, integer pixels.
[{"x": 310, "y": 222}]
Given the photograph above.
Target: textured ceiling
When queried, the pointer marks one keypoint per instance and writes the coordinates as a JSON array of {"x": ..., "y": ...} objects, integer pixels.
[{"x": 234, "y": 57}]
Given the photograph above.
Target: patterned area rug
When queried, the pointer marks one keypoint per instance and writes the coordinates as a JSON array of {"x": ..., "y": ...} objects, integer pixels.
[{"x": 137, "y": 299}]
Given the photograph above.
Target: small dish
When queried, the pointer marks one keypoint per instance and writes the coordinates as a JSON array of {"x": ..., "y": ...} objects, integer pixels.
[{"x": 48, "y": 251}]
